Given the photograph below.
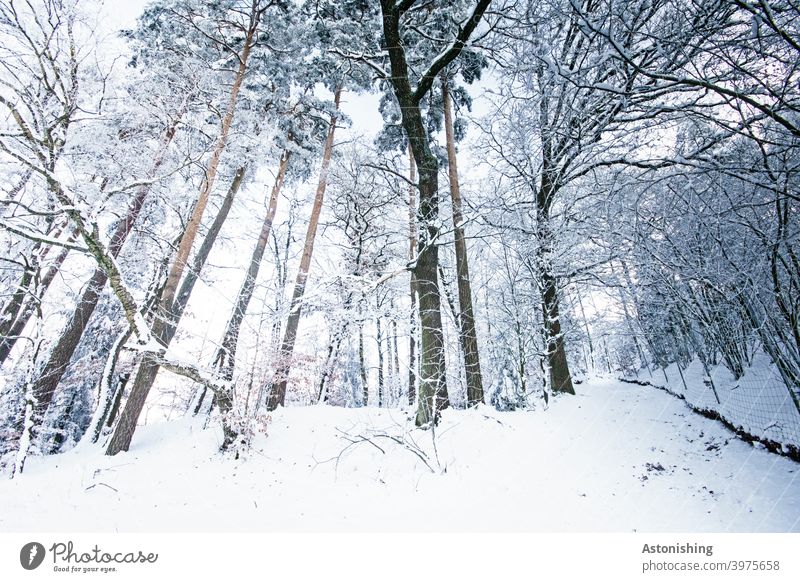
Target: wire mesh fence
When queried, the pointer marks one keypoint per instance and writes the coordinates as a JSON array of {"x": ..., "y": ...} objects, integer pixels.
[{"x": 758, "y": 406}]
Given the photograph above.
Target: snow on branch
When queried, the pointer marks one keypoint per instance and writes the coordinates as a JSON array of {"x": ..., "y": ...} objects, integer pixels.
[
  {"x": 362, "y": 58},
  {"x": 145, "y": 342},
  {"x": 42, "y": 238},
  {"x": 449, "y": 54}
]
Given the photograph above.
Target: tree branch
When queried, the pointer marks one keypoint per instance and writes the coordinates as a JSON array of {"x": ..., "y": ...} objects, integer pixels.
[{"x": 450, "y": 54}]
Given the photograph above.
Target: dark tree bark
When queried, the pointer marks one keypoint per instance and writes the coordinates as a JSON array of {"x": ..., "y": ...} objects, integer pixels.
[
  {"x": 395, "y": 350},
  {"x": 560, "y": 378},
  {"x": 412, "y": 255},
  {"x": 277, "y": 392},
  {"x": 379, "y": 341},
  {"x": 555, "y": 346},
  {"x": 330, "y": 362},
  {"x": 362, "y": 368},
  {"x": 466, "y": 317},
  {"x": 433, "y": 386}
]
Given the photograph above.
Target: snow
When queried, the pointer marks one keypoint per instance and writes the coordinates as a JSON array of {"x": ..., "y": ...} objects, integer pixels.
[
  {"x": 616, "y": 457},
  {"x": 758, "y": 403}
]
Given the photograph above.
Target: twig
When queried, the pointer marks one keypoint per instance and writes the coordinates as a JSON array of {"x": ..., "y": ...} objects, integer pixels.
[{"x": 104, "y": 484}]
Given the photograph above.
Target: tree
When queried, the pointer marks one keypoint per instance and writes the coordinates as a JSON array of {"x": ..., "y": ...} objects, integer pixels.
[
  {"x": 363, "y": 201},
  {"x": 466, "y": 317},
  {"x": 61, "y": 353},
  {"x": 41, "y": 96},
  {"x": 301, "y": 135},
  {"x": 243, "y": 23},
  {"x": 277, "y": 392},
  {"x": 397, "y": 23}
]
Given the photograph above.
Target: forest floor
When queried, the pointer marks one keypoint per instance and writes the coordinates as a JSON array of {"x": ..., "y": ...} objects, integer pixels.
[{"x": 616, "y": 457}]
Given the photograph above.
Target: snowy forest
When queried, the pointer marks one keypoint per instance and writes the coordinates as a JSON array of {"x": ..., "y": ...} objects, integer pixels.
[{"x": 526, "y": 249}]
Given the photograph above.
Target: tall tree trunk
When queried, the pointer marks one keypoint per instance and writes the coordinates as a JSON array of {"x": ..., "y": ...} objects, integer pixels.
[
  {"x": 379, "y": 341},
  {"x": 68, "y": 341},
  {"x": 167, "y": 320},
  {"x": 362, "y": 368},
  {"x": 555, "y": 346},
  {"x": 226, "y": 356},
  {"x": 395, "y": 350},
  {"x": 193, "y": 224},
  {"x": 560, "y": 378},
  {"x": 330, "y": 362},
  {"x": 412, "y": 255},
  {"x": 164, "y": 330},
  {"x": 277, "y": 393},
  {"x": 466, "y": 317},
  {"x": 433, "y": 383}
]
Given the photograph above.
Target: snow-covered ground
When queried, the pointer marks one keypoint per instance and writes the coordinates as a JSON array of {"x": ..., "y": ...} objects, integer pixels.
[
  {"x": 757, "y": 403},
  {"x": 617, "y": 457}
]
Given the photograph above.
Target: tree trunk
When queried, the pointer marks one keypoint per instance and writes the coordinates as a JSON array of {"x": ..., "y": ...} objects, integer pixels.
[
  {"x": 226, "y": 356},
  {"x": 379, "y": 341},
  {"x": 192, "y": 226},
  {"x": 560, "y": 378},
  {"x": 412, "y": 255},
  {"x": 433, "y": 383},
  {"x": 26, "y": 439},
  {"x": 555, "y": 347},
  {"x": 362, "y": 368},
  {"x": 330, "y": 362},
  {"x": 395, "y": 350},
  {"x": 164, "y": 330},
  {"x": 277, "y": 393},
  {"x": 108, "y": 397},
  {"x": 13, "y": 307},
  {"x": 466, "y": 318}
]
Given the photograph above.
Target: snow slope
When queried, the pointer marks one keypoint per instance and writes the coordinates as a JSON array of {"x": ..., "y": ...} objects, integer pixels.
[
  {"x": 617, "y": 457},
  {"x": 758, "y": 402}
]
